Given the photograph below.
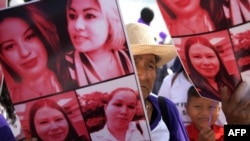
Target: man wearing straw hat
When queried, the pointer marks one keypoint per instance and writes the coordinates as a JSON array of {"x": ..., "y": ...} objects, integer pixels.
[{"x": 147, "y": 57}]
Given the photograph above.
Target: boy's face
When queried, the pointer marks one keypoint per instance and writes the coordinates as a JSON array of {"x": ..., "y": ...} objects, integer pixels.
[{"x": 202, "y": 111}]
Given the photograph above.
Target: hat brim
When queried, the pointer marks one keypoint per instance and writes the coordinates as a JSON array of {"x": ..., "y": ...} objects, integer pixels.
[{"x": 164, "y": 52}]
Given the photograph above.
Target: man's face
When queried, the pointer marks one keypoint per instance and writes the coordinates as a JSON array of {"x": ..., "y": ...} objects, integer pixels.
[{"x": 146, "y": 69}]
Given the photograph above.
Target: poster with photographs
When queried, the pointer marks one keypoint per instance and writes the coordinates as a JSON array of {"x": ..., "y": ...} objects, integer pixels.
[
  {"x": 3, "y": 4},
  {"x": 211, "y": 38},
  {"x": 69, "y": 71}
]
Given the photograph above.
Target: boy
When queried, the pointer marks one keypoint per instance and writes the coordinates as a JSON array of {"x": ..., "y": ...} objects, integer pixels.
[{"x": 203, "y": 113}]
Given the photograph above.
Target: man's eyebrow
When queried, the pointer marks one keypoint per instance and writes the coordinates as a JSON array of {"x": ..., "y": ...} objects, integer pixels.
[{"x": 153, "y": 62}]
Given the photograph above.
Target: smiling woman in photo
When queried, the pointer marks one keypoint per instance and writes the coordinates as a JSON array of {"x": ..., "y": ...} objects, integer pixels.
[
  {"x": 206, "y": 68},
  {"x": 55, "y": 126},
  {"x": 119, "y": 113},
  {"x": 185, "y": 17},
  {"x": 30, "y": 54}
]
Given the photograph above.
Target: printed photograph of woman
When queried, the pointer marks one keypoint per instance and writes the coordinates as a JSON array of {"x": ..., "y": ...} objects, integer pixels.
[
  {"x": 237, "y": 11},
  {"x": 119, "y": 112},
  {"x": 210, "y": 65},
  {"x": 185, "y": 17},
  {"x": 3, "y": 4},
  {"x": 30, "y": 54},
  {"x": 241, "y": 44},
  {"x": 96, "y": 32},
  {"x": 56, "y": 118},
  {"x": 108, "y": 113}
]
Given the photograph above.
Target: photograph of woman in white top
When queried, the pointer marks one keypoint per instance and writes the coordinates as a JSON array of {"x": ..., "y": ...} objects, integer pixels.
[
  {"x": 96, "y": 32},
  {"x": 30, "y": 54},
  {"x": 120, "y": 109}
]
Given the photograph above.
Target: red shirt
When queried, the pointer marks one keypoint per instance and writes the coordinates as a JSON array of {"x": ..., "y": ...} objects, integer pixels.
[{"x": 193, "y": 133}]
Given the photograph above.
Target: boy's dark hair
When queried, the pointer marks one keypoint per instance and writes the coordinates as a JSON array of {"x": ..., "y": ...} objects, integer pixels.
[{"x": 192, "y": 93}]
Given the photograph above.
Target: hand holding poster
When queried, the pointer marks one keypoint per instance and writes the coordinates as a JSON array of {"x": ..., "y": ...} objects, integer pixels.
[
  {"x": 63, "y": 66},
  {"x": 210, "y": 41}
]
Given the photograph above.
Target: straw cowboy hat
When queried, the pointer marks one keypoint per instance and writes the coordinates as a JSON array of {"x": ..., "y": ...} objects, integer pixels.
[{"x": 142, "y": 42}]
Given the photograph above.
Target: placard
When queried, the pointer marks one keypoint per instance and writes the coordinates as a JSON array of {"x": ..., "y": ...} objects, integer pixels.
[
  {"x": 68, "y": 67},
  {"x": 211, "y": 38},
  {"x": 3, "y": 4}
]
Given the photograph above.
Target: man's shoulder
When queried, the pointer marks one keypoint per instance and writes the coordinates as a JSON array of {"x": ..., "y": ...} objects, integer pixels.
[
  {"x": 167, "y": 101},
  {"x": 169, "y": 77},
  {"x": 3, "y": 121},
  {"x": 5, "y": 131}
]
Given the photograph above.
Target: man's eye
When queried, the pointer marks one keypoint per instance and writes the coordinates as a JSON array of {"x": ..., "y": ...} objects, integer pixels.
[
  {"x": 197, "y": 106},
  {"x": 151, "y": 66}
]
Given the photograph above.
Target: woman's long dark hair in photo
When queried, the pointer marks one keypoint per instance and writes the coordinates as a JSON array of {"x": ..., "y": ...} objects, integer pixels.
[
  {"x": 34, "y": 16},
  {"x": 222, "y": 77}
]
